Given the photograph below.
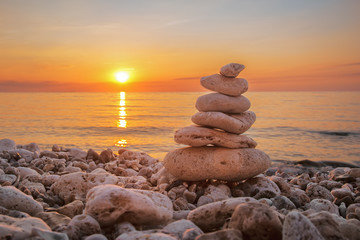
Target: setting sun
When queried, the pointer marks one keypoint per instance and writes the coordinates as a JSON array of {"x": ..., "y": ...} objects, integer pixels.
[{"x": 122, "y": 76}]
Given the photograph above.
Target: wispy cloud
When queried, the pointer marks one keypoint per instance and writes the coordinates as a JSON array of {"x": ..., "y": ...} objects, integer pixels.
[
  {"x": 9, "y": 85},
  {"x": 303, "y": 77},
  {"x": 110, "y": 26},
  {"x": 350, "y": 74},
  {"x": 176, "y": 22},
  {"x": 349, "y": 64},
  {"x": 186, "y": 78},
  {"x": 43, "y": 86}
]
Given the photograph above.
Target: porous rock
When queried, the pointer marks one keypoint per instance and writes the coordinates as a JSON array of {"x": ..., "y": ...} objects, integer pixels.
[
  {"x": 178, "y": 228},
  {"x": 233, "y": 123},
  {"x": 25, "y": 171},
  {"x": 96, "y": 236},
  {"x": 72, "y": 209},
  {"x": 218, "y": 193},
  {"x": 354, "y": 173},
  {"x": 23, "y": 153},
  {"x": 197, "y": 136},
  {"x": 204, "y": 200},
  {"x": 231, "y": 69},
  {"x": 106, "y": 156},
  {"x": 110, "y": 204},
  {"x": 7, "y": 178},
  {"x": 7, "y": 145},
  {"x": 54, "y": 219},
  {"x": 256, "y": 221},
  {"x": 191, "y": 233},
  {"x": 323, "y": 205},
  {"x": 335, "y": 173},
  {"x": 48, "y": 235},
  {"x": 327, "y": 224},
  {"x": 343, "y": 195},
  {"x": 349, "y": 228},
  {"x": 26, "y": 224},
  {"x": 302, "y": 180},
  {"x": 32, "y": 147},
  {"x": 148, "y": 235},
  {"x": 14, "y": 213},
  {"x": 297, "y": 226},
  {"x": 217, "y": 102},
  {"x": 260, "y": 187},
  {"x": 329, "y": 185},
  {"x": 74, "y": 186},
  {"x": 32, "y": 185},
  {"x": 353, "y": 211},
  {"x": 12, "y": 232},
  {"x": 313, "y": 190},
  {"x": 213, "y": 215},
  {"x": 48, "y": 154},
  {"x": 282, "y": 184},
  {"x": 282, "y": 202},
  {"x": 77, "y": 153},
  {"x": 228, "y": 234},
  {"x": 48, "y": 180},
  {"x": 182, "y": 214},
  {"x": 162, "y": 176},
  {"x": 83, "y": 225},
  {"x": 13, "y": 199},
  {"x": 92, "y": 155},
  {"x": 215, "y": 163},
  {"x": 123, "y": 227},
  {"x": 225, "y": 85},
  {"x": 298, "y": 197}
]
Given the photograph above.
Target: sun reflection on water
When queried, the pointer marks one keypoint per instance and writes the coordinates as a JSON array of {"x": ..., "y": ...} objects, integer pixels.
[
  {"x": 121, "y": 143},
  {"x": 122, "y": 111},
  {"x": 122, "y": 123}
]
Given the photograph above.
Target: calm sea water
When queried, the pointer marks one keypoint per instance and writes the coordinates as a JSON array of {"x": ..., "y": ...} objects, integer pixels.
[{"x": 289, "y": 126}]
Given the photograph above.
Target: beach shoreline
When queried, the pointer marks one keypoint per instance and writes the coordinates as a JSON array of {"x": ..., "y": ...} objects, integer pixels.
[{"x": 59, "y": 191}]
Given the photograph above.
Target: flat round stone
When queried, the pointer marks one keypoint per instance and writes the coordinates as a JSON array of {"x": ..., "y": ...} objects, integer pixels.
[
  {"x": 110, "y": 204},
  {"x": 197, "y": 136},
  {"x": 217, "y": 102},
  {"x": 231, "y": 69},
  {"x": 201, "y": 163},
  {"x": 233, "y": 123},
  {"x": 229, "y": 86}
]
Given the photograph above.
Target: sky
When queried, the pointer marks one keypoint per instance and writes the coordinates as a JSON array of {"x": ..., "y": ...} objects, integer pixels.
[{"x": 168, "y": 45}]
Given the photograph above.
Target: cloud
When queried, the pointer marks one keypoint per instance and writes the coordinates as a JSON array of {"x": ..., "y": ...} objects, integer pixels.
[
  {"x": 187, "y": 78},
  {"x": 350, "y": 74},
  {"x": 43, "y": 86},
  {"x": 143, "y": 86},
  {"x": 350, "y": 64},
  {"x": 8, "y": 86},
  {"x": 176, "y": 22}
]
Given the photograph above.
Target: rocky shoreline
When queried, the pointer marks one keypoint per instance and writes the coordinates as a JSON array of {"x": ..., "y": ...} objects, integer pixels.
[
  {"x": 75, "y": 194},
  {"x": 219, "y": 187}
]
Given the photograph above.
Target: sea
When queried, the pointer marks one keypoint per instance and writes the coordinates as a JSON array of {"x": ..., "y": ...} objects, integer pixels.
[{"x": 290, "y": 125}]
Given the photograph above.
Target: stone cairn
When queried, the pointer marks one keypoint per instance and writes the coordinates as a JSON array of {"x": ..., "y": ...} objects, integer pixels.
[{"x": 218, "y": 150}]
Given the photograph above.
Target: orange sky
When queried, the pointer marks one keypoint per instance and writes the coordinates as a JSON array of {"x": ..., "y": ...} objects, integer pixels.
[{"x": 167, "y": 46}]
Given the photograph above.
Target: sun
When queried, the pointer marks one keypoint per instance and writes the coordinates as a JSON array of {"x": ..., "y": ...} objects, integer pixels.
[{"x": 122, "y": 76}]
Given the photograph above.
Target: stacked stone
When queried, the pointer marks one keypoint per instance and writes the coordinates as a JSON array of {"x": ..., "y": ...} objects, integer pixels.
[{"x": 218, "y": 150}]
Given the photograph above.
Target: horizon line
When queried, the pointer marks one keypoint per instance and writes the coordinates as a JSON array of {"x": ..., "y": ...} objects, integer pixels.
[{"x": 174, "y": 91}]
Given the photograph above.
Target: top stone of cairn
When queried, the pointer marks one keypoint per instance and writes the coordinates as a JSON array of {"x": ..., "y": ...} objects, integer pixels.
[{"x": 231, "y": 70}]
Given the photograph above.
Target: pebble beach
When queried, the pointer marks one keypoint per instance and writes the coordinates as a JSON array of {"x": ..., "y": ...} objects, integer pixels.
[
  {"x": 75, "y": 194},
  {"x": 221, "y": 186}
]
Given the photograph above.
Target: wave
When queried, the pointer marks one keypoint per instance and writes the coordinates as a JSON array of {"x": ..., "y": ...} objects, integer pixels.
[
  {"x": 284, "y": 130},
  {"x": 114, "y": 130},
  {"x": 337, "y": 133}
]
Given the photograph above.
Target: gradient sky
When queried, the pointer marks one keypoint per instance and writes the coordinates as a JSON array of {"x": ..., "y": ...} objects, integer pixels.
[{"x": 308, "y": 45}]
